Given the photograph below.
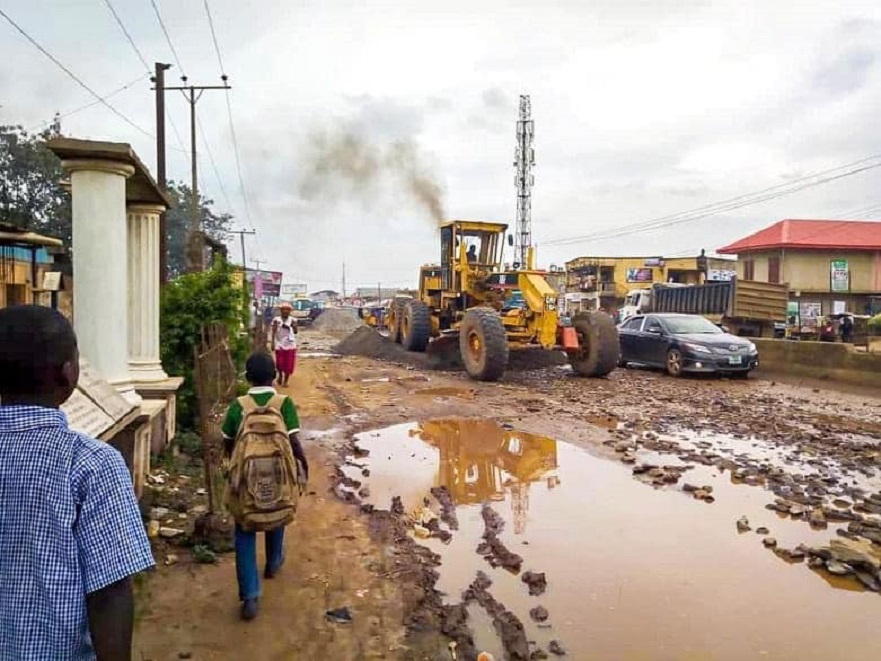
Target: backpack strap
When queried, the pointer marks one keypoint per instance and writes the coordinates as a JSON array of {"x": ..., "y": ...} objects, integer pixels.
[
  {"x": 247, "y": 403},
  {"x": 276, "y": 402}
]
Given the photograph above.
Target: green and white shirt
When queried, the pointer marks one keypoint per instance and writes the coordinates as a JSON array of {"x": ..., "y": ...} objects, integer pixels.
[{"x": 260, "y": 395}]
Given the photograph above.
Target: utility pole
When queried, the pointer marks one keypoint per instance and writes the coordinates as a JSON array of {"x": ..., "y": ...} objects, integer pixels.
[
  {"x": 258, "y": 262},
  {"x": 378, "y": 292},
  {"x": 192, "y": 93},
  {"x": 524, "y": 161},
  {"x": 159, "y": 81},
  {"x": 242, "y": 234},
  {"x": 344, "y": 280}
]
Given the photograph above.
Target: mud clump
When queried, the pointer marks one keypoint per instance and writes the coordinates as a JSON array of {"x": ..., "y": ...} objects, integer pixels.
[
  {"x": 448, "y": 508},
  {"x": 539, "y": 614},
  {"x": 492, "y": 548},
  {"x": 536, "y": 582},
  {"x": 509, "y": 629}
]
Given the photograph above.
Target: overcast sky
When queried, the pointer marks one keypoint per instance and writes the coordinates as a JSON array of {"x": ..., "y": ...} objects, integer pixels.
[{"x": 641, "y": 109}]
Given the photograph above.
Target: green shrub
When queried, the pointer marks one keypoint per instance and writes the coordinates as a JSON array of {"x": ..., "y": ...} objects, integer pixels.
[{"x": 189, "y": 303}]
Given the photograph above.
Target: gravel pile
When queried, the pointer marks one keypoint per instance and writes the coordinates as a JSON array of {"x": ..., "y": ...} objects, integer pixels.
[{"x": 334, "y": 320}]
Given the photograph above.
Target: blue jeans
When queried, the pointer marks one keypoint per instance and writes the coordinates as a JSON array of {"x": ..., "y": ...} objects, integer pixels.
[{"x": 246, "y": 559}]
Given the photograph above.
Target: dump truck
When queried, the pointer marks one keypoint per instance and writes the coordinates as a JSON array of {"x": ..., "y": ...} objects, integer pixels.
[
  {"x": 746, "y": 307},
  {"x": 466, "y": 304}
]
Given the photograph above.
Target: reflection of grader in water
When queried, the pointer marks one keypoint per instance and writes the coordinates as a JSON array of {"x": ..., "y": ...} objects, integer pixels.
[{"x": 479, "y": 459}]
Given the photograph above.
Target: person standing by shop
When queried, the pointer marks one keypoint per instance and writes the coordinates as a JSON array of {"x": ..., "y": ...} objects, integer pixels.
[
  {"x": 846, "y": 329},
  {"x": 284, "y": 340}
]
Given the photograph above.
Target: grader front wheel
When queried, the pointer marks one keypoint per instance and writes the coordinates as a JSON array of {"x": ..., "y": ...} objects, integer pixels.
[
  {"x": 483, "y": 344},
  {"x": 598, "y": 349}
]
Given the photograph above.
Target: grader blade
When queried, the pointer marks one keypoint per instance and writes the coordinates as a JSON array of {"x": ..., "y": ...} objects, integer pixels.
[{"x": 443, "y": 352}]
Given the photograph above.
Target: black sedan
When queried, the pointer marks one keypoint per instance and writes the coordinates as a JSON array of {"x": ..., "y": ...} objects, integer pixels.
[{"x": 685, "y": 343}]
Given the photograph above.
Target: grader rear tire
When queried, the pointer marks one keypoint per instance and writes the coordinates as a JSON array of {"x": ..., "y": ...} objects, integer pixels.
[
  {"x": 415, "y": 326},
  {"x": 598, "y": 353},
  {"x": 483, "y": 344}
]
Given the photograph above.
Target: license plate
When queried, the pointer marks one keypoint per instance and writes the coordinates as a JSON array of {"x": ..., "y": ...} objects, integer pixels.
[{"x": 735, "y": 360}]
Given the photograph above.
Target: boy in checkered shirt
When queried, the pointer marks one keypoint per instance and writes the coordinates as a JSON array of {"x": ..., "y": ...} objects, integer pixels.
[{"x": 71, "y": 535}]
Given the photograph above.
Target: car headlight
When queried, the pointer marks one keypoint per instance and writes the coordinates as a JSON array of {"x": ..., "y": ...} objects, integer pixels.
[
  {"x": 753, "y": 348},
  {"x": 697, "y": 348}
]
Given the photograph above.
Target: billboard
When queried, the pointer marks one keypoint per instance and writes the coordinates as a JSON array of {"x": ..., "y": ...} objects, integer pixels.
[
  {"x": 639, "y": 275},
  {"x": 293, "y": 290},
  {"x": 269, "y": 282}
]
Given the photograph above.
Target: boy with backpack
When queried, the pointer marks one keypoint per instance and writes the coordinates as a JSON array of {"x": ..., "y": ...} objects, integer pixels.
[{"x": 267, "y": 474}]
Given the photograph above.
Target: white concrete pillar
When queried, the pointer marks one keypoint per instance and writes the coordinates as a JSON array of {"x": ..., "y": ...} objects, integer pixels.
[
  {"x": 100, "y": 269},
  {"x": 145, "y": 364}
]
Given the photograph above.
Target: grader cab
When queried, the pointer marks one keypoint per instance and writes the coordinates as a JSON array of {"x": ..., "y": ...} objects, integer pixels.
[{"x": 463, "y": 302}]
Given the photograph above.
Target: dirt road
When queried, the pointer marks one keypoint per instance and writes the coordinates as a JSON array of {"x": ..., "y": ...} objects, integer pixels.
[{"x": 593, "y": 483}]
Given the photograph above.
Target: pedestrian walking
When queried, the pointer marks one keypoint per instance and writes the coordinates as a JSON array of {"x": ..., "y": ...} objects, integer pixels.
[
  {"x": 71, "y": 534},
  {"x": 284, "y": 339},
  {"x": 268, "y": 472}
]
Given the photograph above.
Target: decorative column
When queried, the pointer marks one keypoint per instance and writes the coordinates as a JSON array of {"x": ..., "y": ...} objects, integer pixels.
[
  {"x": 144, "y": 362},
  {"x": 98, "y": 194}
]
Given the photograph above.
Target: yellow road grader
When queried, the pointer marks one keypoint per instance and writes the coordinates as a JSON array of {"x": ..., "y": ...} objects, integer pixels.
[{"x": 468, "y": 300}]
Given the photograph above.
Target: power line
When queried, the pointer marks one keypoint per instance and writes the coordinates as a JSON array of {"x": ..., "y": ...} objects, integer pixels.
[
  {"x": 127, "y": 35},
  {"x": 168, "y": 39},
  {"x": 232, "y": 127},
  {"x": 872, "y": 208},
  {"x": 214, "y": 38},
  {"x": 213, "y": 163},
  {"x": 91, "y": 103},
  {"x": 72, "y": 75},
  {"x": 730, "y": 204},
  {"x": 235, "y": 142}
]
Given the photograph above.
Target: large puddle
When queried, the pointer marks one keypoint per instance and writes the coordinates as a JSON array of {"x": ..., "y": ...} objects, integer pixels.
[{"x": 633, "y": 572}]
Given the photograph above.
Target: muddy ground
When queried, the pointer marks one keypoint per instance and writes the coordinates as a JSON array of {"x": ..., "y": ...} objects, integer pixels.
[{"x": 663, "y": 456}]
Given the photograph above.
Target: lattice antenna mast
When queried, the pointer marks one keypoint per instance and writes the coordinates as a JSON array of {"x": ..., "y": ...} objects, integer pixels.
[{"x": 524, "y": 161}]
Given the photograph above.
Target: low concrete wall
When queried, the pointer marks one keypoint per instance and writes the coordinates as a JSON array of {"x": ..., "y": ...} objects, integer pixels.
[{"x": 820, "y": 360}]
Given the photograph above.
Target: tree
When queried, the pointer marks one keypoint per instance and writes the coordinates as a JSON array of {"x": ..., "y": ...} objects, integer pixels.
[
  {"x": 214, "y": 224},
  {"x": 31, "y": 195},
  {"x": 189, "y": 303}
]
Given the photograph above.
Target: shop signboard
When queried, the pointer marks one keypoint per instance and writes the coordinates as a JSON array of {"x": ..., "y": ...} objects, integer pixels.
[
  {"x": 270, "y": 282},
  {"x": 810, "y": 312},
  {"x": 639, "y": 275},
  {"x": 839, "y": 275},
  {"x": 718, "y": 275}
]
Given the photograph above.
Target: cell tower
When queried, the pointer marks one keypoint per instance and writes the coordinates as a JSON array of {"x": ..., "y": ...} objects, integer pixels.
[{"x": 524, "y": 161}]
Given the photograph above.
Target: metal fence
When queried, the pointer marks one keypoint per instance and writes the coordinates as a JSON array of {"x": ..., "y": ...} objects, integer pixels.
[{"x": 215, "y": 379}]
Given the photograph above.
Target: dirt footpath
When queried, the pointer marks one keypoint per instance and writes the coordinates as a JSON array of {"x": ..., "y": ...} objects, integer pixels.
[{"x": 338, "y": 554}]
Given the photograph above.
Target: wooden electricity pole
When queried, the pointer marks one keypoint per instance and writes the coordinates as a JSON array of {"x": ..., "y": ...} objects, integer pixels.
[{"x": 195, "y": 243}]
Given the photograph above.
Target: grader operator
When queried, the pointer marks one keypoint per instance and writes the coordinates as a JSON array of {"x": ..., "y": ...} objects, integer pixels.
[{"x": 462, "y": 302}]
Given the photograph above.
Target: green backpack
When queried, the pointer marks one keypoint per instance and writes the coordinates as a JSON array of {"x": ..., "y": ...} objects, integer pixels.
[{"x": 263, "y": 490}]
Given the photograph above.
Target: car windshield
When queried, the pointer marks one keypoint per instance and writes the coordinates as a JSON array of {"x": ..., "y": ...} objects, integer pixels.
[{"x": 691, "y": 325}]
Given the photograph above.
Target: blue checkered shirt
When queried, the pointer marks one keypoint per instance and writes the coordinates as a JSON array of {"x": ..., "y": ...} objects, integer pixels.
[{"x": 69, "y": 526}]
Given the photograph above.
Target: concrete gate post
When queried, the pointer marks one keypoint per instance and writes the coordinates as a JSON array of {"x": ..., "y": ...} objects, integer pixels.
[
  {"x": 101, "y": 316},
  {"x": 145, "y": 365}
]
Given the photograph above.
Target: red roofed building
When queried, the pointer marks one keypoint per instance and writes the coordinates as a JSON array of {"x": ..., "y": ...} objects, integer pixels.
[{"x": 828, "y": 264}]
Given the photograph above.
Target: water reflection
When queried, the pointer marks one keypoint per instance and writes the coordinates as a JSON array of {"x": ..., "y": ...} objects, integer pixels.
[{"x": 480, "y": 461}]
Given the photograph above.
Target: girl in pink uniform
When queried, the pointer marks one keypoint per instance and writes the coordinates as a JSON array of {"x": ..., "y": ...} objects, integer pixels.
[{"x": 284, "y": 339}]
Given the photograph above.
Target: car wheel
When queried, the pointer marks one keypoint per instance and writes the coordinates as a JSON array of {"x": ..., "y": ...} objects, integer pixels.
[{"x": 674, "y": 362}]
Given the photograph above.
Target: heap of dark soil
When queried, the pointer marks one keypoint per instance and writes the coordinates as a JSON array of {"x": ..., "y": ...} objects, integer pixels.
[{"x": 365, "y": 341}]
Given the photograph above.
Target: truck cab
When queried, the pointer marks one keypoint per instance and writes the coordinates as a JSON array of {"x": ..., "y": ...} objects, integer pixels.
[{"x": 637, "y": 301}]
